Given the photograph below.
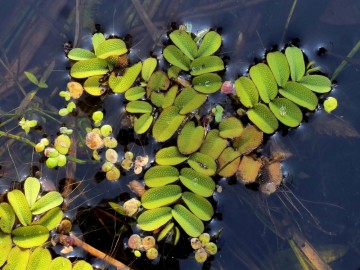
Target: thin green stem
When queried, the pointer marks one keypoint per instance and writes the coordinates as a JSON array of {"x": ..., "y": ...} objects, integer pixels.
[
  {"x": 344, "y": 62},
  {"x": 16, "y": 137}
]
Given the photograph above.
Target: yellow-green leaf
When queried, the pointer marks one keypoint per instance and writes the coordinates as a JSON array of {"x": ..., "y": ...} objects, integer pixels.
[
  {"x": 79, "y": 54},
  {"x": 170, "y": 96},
  {"x": 92, "y": 86},
  {"x": 51, "y": 219},
  {"x": 148, "y": 68},
  {"x": 31, "y": 189},
  {"x": 135, "y": 93},
  {"x": 175, "y": 57},
  {"x": 264, "y": 81},
  {"x": 246, "y": 91},
  {"x": 228, "y": 162},
  {"x": 47, "y": 202},
  {"x": 167, "y": 124},
  {"x": 286, "y": 112},
  {"x": 6, "y": 244},
  {"x": 316, "y": 83},
  {"x": 160, "y": 196},
  {"x": 250, "y": 139},
  {"x": 207, "y": 83},
  {"x": 200, "y": 206},
  {"x": 279, "y": 67},
  {"x": 143, "y": 123},
  {"x": 263, "y": 118},
  {"x": 110, "y": 47},
  {"x": 20, "y": 206},
  {"x": 190, "y": 138},
  {"x": 158, "y": 81},
  {"x": 300, "y": 95},
  {"x": 330, "y": 104},
  {"x": 17, "y": 259},
  {"x": 206, "y": 64},
  {"x": 202, "y": 163},
  {"x": 88, "y": 68},
  {"x": 97, "y": 39},
  {"x": 296, "y": 62},
  {"x": 189, "y": 100},
  {"x": 198, "y": 183},
  {"x": 213, "y": 144},
  {"x": 209, "y": 44},
  {"x": 165, "y": 231},
  {"x": 184, "y": 42},
  {"x": 153, "y": 219},
  {"x": 30, "y": 236},
  {"x": 60, "y": 263},
  {"x": 190, "y": 223},
  {"x": 169, "y": 156},
  {"x": 230, "y": 127},
  {"x": 129, "y": 77},
  {"x": 161, "y": 175},
  {"x": 39, "y": 259},
  {"x": 82, "y": 265},
  {"x": 139, "y": 106},
  {"x": 7, "y": 217}
]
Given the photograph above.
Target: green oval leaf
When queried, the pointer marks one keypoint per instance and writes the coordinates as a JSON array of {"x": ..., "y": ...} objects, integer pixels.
[
  {"x": 157, "y": 99},
  {"x": 175, "y": 57},
  {"x": 165, "y": 231},
  {"x": 200, "y": 206},
  {"x": 128, "y": 78},
  {"x": 17, "y": 259},
  {"x": 92, "y": 86},
  {"x": 202, "y": 163},
  {"x": 189, "y": 100},
  {"x": 111, "y": 47},
  {"x": 47, "y": 202},
  {"x": 51, "y": 219},
  {"x": 88, "y": 68},
  {"x": 6, "y": 244},
  {"x": 191, "y": 224},
  {"x": 139, "y": 106},
  {"x": 264, "y": 81},
  {"x": 210, "y": 44},
  {"x": 97, "y": 39},
  {"x": 148, "y": 68},
  {"x": 198, "y": 183},
  {"x": 230, "y": 127},
  {"x": 213, "y": 144},
  {"x": 169, "y": 156},
  {"x": 279, "y": 67},
  {"x": 79, "y": 54},
  {"x": 250, "y": 139},
  {"x": 228, "y": 161},
  {"x": 167, "y": 124},
  {"x": 207, "y": 83},
  {"x": 30, "y": 236},
  {"x": 20, "y": 206},
  {"x": 184, "y": 42},
  {"x": 161, "y": 175},
  {"x": 143, "y": 123},
  {"x": 316, "y": 83},
  {"x": 31, "y": 189},
  {"x": 330, "y": 104},
  {"x": 153, "y": 219},
  {"x": 82, "y": 265},
  {"x": 296, "y": 62},
  {"x": 60, "y": 263},
  {"x": 39, "y": 259},
  {"x": 206, "y": 64},
  {"x": 246, "y": 91},
  {"x": 160, "y": 196},
  {"x": 158, "y": 81},
  {"x": 263, "y": 118},
  {"x": 31, "y": 77},
  {"x": 190, "y": 138},
  {"x": 7, "y": 217},
  {"x": 135, "y": 93},
  {"x": 170, "y": 96},
  {"x": 300, "y": 95},
  {"x": 286, "y": 112}
]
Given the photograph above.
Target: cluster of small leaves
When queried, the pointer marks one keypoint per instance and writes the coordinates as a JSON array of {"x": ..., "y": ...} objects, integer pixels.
[
  {"x": 283, "y": 74},
  {"x": 74, "y": 92},
  {"x": 27, "y": 124},
  {"x": 32, "y": 78},
  {"x": 146, "y": 244},
  {"x": 26, "y": 220},
  {"x": 204, "y": 248}
]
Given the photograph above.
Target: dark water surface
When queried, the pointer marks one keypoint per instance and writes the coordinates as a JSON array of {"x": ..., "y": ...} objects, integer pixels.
[{"x": 321, "y": 198}]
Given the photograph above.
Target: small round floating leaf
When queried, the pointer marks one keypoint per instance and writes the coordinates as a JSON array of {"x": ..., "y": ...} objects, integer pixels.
[
  {"x": 175, "y": 57},
  {"x": 169, "y": 156},
  {"x": 250, "y": 139},
  {"x": 330, "y": 104},
  {"x": 138, "y": 106},
  {"x": 7, "y": 217},
  {"x": 211, "y": 248},
  {"x": 228, "y": 161},
  {"x": 300, "y": 95},
  {"x": 210, "y": 44},
  {"x": 190, "y": 138},
  {"x": 200, "y": 206},
  {"x": 207, "y": 83},
  {"x": 189, "y": 100},
  {"x": 80, "y": 54},
  {"x": 296, "y": 62},
  {"x": 190, "y": 223},
  {"x": 246, "y": 91},
  {"x": 47, "y": 202},
  {"x": 51, "y": 219},
  {"x": 201, "y": 255},
  {"x": 198, "y": 183},
  {"x": 135, "y": 93},
  {"x": 164, "y": 232},
  {"x": 40, "y": 258},
  {"x": 264, "y": 81},
  {"x": 143, "y": 123},
  {"x": 160, "y": 196},
  {"x": 128, "y": 78},
  {"x": 161, "y": 175},
  {"x": 230, "y": 127},
  {"x": 92, "y": 86},
  {"x": 263, "y": 118},
  {"x": 17, "y": 259},
  {"x": 30, "y": 236},
  {"x": 286, "y": 112},
  {"x": 202, "y": 163},
  {"x": 213, "y": 144},
  {"x": 6, "y": 244},
  {"x": 279, "y": 67},
  {"x": 206, "y": 64},
  {"x": 316, "y": 83},
  {"x": 148, "y": 68},
  {"x": 20, "y": 206},
  {"x": 249, "y": 169},
  {"x": 97, "y": 39},
  {"x": 158, "y": 81},
  {"x": 153, "y": 219},
  {"x": 111, "y": 47},
  {"x": 60, "y": 263},
  {"x": 170, "y": 96},
  {"x": 167, "y": 124},
  {"x": 88, "y": 68},
  {"x": 184, "y": 42},
  {"x": 82, "y": 265}
]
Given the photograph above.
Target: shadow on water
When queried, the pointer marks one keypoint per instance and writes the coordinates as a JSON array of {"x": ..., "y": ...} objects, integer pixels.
[{"x": 320, "y": 197}]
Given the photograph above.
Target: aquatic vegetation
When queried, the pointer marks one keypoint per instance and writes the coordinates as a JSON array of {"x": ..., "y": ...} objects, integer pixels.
[
  {"x": 203, "y": 247},
  {"x": 27, "y": 124}
]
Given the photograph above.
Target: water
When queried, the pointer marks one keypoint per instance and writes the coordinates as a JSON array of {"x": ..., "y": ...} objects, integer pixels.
[{"x": 323, "y": 171}]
